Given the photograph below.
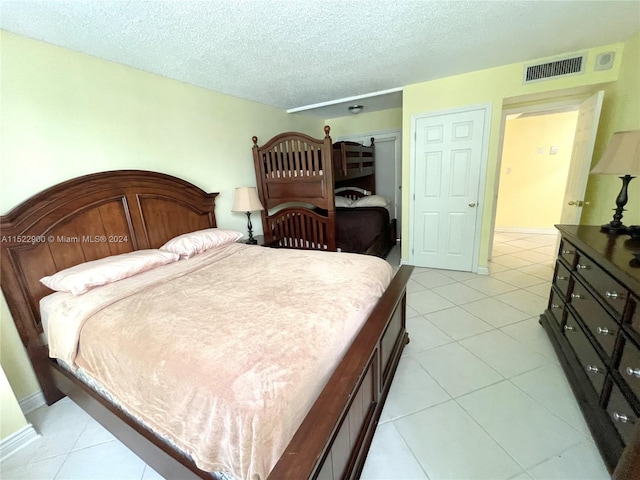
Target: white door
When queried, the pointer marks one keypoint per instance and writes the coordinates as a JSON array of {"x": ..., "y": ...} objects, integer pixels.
[
  {"x": 448, "y": 158},
  {"x": 581, "y": 155},
  {"x": 387, "y": 163}
]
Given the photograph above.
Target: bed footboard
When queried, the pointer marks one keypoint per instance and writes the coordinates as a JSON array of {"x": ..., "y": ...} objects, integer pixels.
[
  {"x": 349, "y": 407},
  {"x": 300, "y": 228}
]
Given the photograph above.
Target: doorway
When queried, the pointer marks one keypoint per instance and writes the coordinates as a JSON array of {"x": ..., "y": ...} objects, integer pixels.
[{"x": 546, "y": 154}]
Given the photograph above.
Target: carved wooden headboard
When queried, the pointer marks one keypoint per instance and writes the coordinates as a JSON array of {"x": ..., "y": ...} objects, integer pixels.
[{"x": 85, "y": 219}]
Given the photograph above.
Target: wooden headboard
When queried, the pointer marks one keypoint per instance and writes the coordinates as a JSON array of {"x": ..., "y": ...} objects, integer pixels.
[{"x": 83, "y": 219}]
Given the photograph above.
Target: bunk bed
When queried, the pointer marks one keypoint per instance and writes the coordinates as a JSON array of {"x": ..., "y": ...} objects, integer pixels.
[
  {"x": 319, "y": 195},
  {"x": 92, "y": 218}
]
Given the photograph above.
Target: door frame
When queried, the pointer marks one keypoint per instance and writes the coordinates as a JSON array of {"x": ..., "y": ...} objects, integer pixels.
[
  {"x": 556, "y": 101},
  {"x": 487, "y": 107},
  {"x": 386, "y": 134}
]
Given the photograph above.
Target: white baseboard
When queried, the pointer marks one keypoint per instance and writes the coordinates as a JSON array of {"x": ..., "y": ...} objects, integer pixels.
[
  {"x": 17, "y": 440},
  {"x": 532, "y": 231},
  {"x": 483, "y": 270},
  {"x": 29, "y": 403}
]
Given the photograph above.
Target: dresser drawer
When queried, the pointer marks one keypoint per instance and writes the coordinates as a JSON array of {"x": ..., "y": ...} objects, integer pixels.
[
  {"x": 556, "y": 306},
  {"x": 608, "y": 289},
  {"x": 630, "y": 366},
  {"x": 567, "y": 252},
  {"x": 601, "y": 325},
  {"x": 623, "y": 416},
  {"x": 562, "y": 278},
  {"x": 593, "y": 365}
]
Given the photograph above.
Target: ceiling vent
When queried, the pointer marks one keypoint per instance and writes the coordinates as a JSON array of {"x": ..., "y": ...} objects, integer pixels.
[{"x": 558, "y": 68}]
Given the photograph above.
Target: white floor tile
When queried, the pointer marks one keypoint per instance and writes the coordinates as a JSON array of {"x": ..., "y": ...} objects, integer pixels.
[
  {"x": 504, "y": 249},
  {"x": 533, "y": 335},
  {"x": 522, "y": 300},
  {"x": 411, "y": 312},
  {"x": 581, "y": 462},
  {"x": 458, "y": 323},
  {"x": 431, "y": 279},
  {"x": 151, "y": 474},
  {"x": 107, "y": 461},
  {"x": 448, "y": 443},
  {"x": 459, "y": 276},
  {"x": 504, "y": 354},
  {"x": 93, "y": 434},
  {"x": 413, "y": 286},
  {"x": 525, "y": 429},
  {"x": 390, "y": 458},
  {"x": 542, "y": 290},
  {"x": 39, "y": 470},
  {"x": 534, "y": 256},
  {"x": 549, "y": 386},
  {"x": 495, "y": 313},
  {"x": 457, "y": 370},
  {"x": 523, "y": 243},
  {"x": 518, "y": 278},
  {"x": 459, "y": 293},
  {"x": 542, "y": 239},
  {"x": 541, "y": 271},
  {"x": 413, "y": 390},
  {"x": 496, "y": 267},
  {"x": 427, "y": 301},
  {"x": 510, "y": 261},
  {"x": 489, "y": 285},
  {"x": 423, "y": 335},
  {"x": 522, "y": 476}
]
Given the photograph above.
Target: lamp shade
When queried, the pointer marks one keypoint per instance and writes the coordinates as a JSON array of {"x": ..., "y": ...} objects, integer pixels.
[
  {"x": 622, "y": 156},
  {"x": 246, "y": 200}
]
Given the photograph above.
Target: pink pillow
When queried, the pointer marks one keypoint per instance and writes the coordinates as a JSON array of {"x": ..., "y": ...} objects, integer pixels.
[
  {"x": 81, "y": 278},
  {"x": 190, "y": 244}
]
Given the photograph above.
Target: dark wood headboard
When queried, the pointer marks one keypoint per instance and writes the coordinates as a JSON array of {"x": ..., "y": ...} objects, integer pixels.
[{"x": 83, "y": 219}]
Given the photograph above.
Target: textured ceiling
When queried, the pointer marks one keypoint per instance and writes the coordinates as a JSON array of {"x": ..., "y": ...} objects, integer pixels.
[{"x": 293, "y": 53}]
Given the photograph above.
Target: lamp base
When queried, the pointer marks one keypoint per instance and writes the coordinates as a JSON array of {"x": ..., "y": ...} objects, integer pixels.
[
  {"x": 252, "y": 241},
  {"x": 614, "y": 229}
]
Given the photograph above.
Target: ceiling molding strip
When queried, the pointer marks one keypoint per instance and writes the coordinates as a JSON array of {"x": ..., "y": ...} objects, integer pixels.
[{"x": 343, "y": 100}]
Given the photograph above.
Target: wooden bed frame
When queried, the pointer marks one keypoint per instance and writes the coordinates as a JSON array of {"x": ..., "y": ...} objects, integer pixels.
[
  {"x": 107, "y": 213},
  {"x": 293, "y": 168}
]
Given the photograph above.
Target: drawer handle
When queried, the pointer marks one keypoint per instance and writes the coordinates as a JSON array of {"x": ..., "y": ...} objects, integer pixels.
[
  {"x": 604, "y": 331},
  {"x": 619, "y": 417},
  {"x": 613, "y": 295},
  {"x": 560, "y": 278},
  {"x": 567, "y": 252},
  {"x": 583, "y": 267},
  {"x": 569, "y": 328},
  {"x": 633, "y": 372},
  {"x": 576, "y": 296},
  {"x": 553, "y": 305},
  {"x": 594, "y": 369}
]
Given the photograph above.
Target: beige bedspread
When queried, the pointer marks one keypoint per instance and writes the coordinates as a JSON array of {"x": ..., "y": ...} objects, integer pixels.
[{"x": 225, "y": 353}]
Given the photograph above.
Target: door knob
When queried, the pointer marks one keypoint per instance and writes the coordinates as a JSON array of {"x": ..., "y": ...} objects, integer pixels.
[{"x": 472, "y": 204}]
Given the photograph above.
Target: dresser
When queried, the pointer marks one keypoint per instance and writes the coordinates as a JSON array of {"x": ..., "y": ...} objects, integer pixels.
[{"x": 593, "y": 322}]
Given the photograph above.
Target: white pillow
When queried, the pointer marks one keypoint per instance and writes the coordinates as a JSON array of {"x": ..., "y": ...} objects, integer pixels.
[
  {"x": 343, "y": 201},
  {"x": 372, "y": 201},
  {"x": 189, "y": 244},
  {"x": 81, "y": 278}
]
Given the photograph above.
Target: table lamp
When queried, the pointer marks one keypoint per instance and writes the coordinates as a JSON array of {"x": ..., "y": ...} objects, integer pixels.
[
  {"x": 246, "y": 200},
  {"x": 621, "y": 157}
]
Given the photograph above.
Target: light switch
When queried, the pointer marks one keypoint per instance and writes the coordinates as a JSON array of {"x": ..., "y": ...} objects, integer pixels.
[{"x": 553, "y": 150}]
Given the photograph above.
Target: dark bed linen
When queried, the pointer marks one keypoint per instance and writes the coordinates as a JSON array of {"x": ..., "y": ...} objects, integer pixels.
[{"x": 358, "y": 228}]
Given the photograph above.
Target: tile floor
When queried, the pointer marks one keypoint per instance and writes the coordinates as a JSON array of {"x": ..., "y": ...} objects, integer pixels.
[{"x": 478, "y": 392}]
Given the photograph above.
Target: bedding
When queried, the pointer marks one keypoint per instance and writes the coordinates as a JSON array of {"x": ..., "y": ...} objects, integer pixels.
[
  {"x": 190, "y": 244},
  {"x": 358, "y": 228},
  {"x": 209, "y": 357},
  {"x": 81, "y": 278}
]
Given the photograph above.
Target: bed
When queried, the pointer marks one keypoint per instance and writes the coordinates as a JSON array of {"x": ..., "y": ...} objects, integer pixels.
[
  {"x": 114, "y": 213},
  {"x": 312, "y": 203}
]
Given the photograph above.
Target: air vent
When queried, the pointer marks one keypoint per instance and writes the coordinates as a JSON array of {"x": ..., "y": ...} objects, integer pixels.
[{"x": 558, "y": 68}]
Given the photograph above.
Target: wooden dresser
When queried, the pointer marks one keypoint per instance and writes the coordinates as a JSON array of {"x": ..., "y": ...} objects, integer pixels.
[{"x": 593, "y": 321}]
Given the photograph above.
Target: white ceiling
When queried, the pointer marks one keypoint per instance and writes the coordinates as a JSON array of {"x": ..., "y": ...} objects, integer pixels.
[{"x": 295, "y": 53}]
